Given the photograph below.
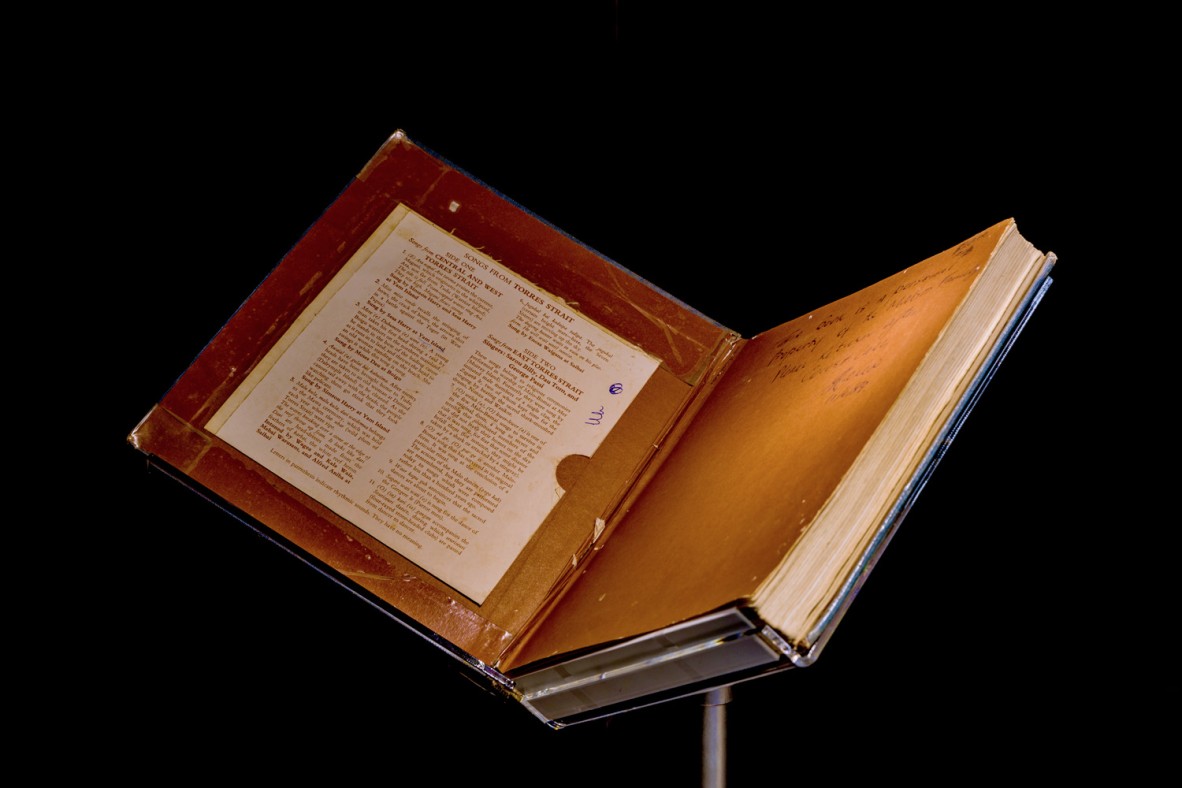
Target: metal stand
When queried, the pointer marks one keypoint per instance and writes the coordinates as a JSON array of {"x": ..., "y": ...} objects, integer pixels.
[{"x": 714, "y": 738}]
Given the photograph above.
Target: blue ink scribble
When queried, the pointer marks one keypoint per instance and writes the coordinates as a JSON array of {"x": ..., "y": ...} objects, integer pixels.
[
  {"x": 595, "y": 418},
  {"x": 616, "y": 388}
]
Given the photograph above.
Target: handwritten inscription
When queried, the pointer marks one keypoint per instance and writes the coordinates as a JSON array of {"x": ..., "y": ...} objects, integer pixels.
[{"x": 844, "y": 347}]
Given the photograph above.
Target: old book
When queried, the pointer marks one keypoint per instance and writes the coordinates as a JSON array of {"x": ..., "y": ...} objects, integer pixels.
[{"x": 588, "y": 493}]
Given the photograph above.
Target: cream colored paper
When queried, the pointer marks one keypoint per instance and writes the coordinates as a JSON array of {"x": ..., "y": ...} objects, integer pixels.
[{"x": 428, "y": 395}]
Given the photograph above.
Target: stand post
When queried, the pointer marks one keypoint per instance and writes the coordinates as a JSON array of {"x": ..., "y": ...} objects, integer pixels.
[{"x": 714, "y": 738}]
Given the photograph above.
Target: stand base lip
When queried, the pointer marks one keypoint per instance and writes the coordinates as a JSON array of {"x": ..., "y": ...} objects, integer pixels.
[{"x": 687, "y": 659}]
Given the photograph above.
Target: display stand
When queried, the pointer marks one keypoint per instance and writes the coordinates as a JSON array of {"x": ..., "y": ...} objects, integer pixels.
[{"x": 714, "y": 737}]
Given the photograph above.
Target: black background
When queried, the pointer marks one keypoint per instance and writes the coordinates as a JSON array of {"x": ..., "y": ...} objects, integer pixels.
[{"x": 754, "y": 167}]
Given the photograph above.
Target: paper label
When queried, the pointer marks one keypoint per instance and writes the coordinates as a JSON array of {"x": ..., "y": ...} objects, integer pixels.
[{"x": 428, "y": 395}]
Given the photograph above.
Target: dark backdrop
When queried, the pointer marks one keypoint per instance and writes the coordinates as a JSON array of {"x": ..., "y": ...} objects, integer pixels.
[{"x": 1013, "y": 625}]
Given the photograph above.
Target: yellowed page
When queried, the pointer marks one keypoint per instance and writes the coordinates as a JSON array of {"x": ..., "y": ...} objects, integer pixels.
[{"x": 763, "y": 458}]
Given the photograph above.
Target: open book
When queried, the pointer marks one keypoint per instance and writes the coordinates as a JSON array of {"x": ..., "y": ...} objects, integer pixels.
[{"x": 584, "y": 490}]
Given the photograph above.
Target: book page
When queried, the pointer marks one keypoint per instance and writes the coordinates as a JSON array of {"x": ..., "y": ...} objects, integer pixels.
[
  {"x": 747, "y": 496},
  {"x": 428, "y": 395}
]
